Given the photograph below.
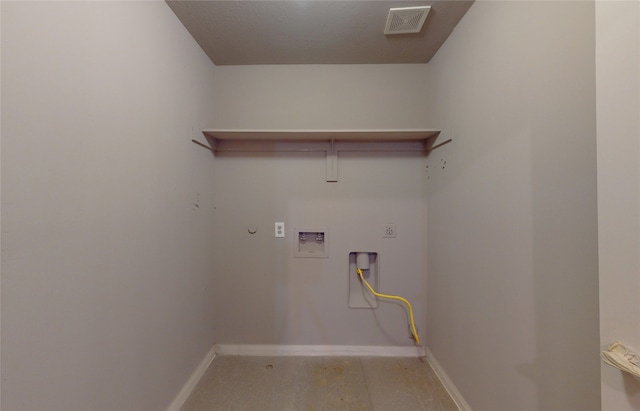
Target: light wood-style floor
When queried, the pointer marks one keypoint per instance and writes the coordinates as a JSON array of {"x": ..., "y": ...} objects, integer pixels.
[{"x": 319, "y": 383}]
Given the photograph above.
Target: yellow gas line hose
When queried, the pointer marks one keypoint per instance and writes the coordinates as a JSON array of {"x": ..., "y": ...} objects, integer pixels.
[{"x": 414, "y": 331}]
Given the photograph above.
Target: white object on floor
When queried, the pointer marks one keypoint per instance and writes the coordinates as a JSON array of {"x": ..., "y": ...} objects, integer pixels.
[{"x": 621, "y": 357}]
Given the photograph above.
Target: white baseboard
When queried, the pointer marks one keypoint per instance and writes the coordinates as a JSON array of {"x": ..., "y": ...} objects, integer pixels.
[
  {"x": 446, "y": 381},
  {"x": 192, "y": 381},
  {"x": 319, "y": 350}
]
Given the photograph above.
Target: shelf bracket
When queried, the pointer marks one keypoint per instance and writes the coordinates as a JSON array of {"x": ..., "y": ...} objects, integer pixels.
[
  {"x": 437, "y": 145},
  {"x": 332, "y": 162},
  {"x": 203, "y": 145}
]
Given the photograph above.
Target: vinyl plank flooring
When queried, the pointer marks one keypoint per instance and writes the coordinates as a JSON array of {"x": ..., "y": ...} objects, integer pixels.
[{"x": 319, "y": 384}]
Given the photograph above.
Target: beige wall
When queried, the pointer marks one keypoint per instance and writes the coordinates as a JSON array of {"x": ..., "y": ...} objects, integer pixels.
[
  {"x": 512, "y": 302},
  {"x": 320, "y": 97},
  {"x": 106, "y": 261},
  {"x": 108, "y": 265},
  {"x": 264, "y": 294},
  {"x": 618, "y": 96}
]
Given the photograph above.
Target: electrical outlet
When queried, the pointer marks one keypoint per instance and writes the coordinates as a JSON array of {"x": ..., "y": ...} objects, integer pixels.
[
  {"x": 389, "y": 231},
  {"x": 279, "y": 229}
]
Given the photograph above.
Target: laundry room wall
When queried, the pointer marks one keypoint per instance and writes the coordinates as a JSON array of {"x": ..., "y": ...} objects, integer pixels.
[
  {"x": 512, "y": 289},
  {"x": 267, "y": 296},
  {"x": 618, "y": 104},
  {"x": 107, "y": 213}
]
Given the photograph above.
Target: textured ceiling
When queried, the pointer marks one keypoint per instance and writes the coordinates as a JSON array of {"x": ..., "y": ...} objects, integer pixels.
[{"x": 242, "y": 32}]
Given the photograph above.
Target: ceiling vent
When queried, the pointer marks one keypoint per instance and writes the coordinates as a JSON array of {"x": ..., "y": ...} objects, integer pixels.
[{"x": 406, "y": 20}]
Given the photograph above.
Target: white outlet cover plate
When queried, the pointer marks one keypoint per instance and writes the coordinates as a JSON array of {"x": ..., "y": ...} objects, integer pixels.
[{"x": 389, "y": 231}]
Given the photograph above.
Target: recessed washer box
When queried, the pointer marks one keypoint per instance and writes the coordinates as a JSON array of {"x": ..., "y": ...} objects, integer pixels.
[{"x": 311, "y": 242}]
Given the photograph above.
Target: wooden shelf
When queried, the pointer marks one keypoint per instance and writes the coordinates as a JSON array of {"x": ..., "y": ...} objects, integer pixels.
[
  {"x": 323, "y": 135},
  {"x": 328, "y": 141}
]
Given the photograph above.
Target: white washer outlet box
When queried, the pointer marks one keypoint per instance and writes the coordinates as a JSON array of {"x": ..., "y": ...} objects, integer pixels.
[{"x": 311, "y": 242}]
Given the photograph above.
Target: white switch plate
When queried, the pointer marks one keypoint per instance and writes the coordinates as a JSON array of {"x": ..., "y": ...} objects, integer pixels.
[{"x": 279, "y": 229}]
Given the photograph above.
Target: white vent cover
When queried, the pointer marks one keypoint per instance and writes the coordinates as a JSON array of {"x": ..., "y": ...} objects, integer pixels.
[{"x": 406, "y": 19}]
